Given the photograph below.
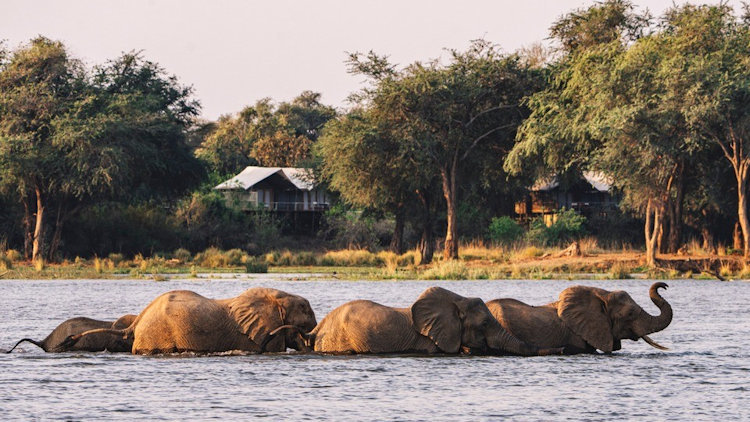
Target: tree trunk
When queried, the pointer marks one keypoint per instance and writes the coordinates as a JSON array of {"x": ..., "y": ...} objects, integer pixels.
[
  {"x": 675, "y": 216},
  {"x": 398, "y": 232},
  {"x": 737, "y": 236},
  {"x": 57, "y": 234},
  {"x": 427, "y": 243},
  {"x": 742, "y": 208},
  {"x": 450, "y": 250},
  {"x": 38, "y": 243},
  {"x": 660, "y": 236},
  {"x": 651, "y": 231},
  {"x": 708, "y": 240},
  {"x": 28, "y": 233}
]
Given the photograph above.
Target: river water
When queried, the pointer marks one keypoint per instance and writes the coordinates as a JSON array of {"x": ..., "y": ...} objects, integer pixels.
[{"x": 705, "y": 375}]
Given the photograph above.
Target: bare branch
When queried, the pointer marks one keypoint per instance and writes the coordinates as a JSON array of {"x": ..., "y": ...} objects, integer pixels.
[
  {"x": 487, "y": 111},
  {"x": 482, "y": 136}
]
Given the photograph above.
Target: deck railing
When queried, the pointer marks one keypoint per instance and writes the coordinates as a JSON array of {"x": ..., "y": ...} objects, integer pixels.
[{"x": 294, "y": 206}]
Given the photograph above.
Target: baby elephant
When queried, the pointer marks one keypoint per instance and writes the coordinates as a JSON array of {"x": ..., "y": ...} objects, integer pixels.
[
  {"x": 95, "y": 343},
  {"x": 439, "y": 321}
]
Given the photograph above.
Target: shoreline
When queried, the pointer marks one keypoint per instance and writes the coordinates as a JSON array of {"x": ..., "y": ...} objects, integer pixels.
[{"x": 600, "y": 266}]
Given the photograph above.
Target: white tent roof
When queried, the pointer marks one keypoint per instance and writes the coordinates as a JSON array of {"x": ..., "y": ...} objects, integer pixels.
[
  {"x": 252, "y": 175},
  {"x": 302, "y": 178},
  {"x": 597, "y": 180}
]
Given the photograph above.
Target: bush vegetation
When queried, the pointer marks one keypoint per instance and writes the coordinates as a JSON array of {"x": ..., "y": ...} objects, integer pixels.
[{"x": 505, "y": 230}]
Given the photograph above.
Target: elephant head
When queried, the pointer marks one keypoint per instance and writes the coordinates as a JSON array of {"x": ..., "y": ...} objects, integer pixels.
[
  {"x": 602, "y": 318},
  {"x": 261, "y": 311},
  {"x": 124, "y": 321},
  {"x": 455, "y": 322}
]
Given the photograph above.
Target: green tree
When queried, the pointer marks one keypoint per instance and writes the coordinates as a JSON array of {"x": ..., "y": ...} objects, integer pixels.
[
  {"x": 609, "y": 108},
  {"x": 366, "y": 166},
  {"x": 712, "y": 45},
  {"x": 69, "y": 139},
  {"x": 37, "y": 83},
  {"x": 266, "y": 134},
  {"x": 448, "y": 114}
]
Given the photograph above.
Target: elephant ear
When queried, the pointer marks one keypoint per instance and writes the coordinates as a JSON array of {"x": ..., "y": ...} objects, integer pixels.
[
  {"x": 436, "y": 316},
  {"x": 582, "y": 309},
  {"x": 257, "y": 312}
]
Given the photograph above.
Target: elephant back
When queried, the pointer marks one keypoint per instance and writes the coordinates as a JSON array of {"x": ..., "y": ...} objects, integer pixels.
[{"x": 182, "y": 321}]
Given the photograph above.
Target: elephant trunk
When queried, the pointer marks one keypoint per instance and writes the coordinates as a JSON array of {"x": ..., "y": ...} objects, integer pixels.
[
  {"x": 37, "y": 343},
  {"x": 301, "y": 344},
  {"x": 71, "y": 340},
  {"x": 500, "y": 340},
  {"x": 660, "y": 322}
]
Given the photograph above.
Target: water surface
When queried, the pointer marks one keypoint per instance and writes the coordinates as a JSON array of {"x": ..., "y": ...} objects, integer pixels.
[{"x": 706, "y": 375}]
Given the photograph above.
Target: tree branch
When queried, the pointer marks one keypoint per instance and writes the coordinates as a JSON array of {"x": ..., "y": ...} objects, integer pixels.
[{"x": 482, "y": 136}]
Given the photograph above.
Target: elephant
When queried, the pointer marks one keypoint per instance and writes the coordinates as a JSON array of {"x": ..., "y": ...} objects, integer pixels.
[
  {"x": 94, "y": 343},
  {"x": 184, "y": 321},
  {"x": 440, "y": 321},
  {"x": 584, "y": 319}
]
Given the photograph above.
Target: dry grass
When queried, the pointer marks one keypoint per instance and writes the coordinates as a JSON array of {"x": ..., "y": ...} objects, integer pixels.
[
  {"x": 744, "y": 273},
  {"x": 721, "y": 250},
  {"x": 528, "y": 252},
  {"x": 350, "y": 258},
  {"x": 589, "y": 246},
  {"x": 619, "y": 271},
  {"x": 446, "y": 270},
  {"x": 13, "y": 255},
  {"x": 695, "y": 248},
  {"x": 477, "y": 250},
  {"x": 5, "y": 263},
  {"x": 725, "y": 270},
  {"x": 98, "y": 265}
]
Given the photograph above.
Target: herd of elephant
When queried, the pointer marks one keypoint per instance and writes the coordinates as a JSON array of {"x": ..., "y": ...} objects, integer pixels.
[{"x": 583, "y": 320}]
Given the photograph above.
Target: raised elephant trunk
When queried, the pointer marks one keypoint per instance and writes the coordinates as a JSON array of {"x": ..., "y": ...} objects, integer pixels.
[{"x": 660, "y": 322}]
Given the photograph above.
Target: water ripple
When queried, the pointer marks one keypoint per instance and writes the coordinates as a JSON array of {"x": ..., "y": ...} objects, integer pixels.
[{"x": 703, "y": 377}]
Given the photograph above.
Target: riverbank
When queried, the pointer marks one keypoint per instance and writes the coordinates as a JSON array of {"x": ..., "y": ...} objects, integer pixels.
[{"x": 476, "y": 262}]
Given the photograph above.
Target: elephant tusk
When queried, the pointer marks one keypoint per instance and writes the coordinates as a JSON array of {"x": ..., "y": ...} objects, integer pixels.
[{"x": 653, "y": 343}]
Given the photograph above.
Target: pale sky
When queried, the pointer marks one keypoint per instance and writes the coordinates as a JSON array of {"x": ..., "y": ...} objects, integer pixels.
[{"x": 236, "y": 52}]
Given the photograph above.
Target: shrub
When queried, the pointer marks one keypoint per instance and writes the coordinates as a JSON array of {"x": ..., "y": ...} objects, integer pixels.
[
  {"x": 13, "y": 255},
  {"x": 253, "y": 265},
  {"x": 211, "y": 258},
  {"x": 504, "y": 230},
  {"x": 447, "y": 270},
  {"x": 272, "y": 258},
  {"x": 305, "y": 258},
  {"x": 350, "y": 258},
  {"x": 619, "y": 271},
  {"x": 235, "y": 257},
  {"x": 183, "y": 255},
  {"x": 116, "y": 258},
  {"x": 5, "y": 263},
  {"x": 266, "y": 231},
  {"x": 350, "y": 230},
  {"x": 568, "y": 227}
]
